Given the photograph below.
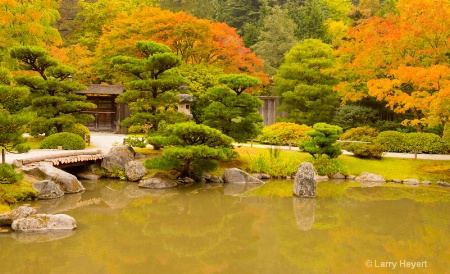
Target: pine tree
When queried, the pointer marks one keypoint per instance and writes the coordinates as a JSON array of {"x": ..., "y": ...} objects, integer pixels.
[
  {"x": 51, "y": 91},
  {"x": 152, "y": 92}
]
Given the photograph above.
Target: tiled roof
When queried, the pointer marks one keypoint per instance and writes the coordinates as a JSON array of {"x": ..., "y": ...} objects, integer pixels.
[{"x": 102, "y": 89}]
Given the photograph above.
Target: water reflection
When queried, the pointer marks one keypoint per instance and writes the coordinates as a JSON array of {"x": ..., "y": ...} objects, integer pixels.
[
  {"x": 304, "y": 209},
  {"x": 201, "y": 230},
  {"x": 41, "y": 237},
  {"x": 238, "y": 189}
]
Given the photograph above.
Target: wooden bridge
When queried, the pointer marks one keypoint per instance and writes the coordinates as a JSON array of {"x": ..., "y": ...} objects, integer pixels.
[{"x": 63, "y": 159}]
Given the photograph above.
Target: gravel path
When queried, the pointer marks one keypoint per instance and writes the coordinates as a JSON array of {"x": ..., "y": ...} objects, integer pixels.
[
  {"x": 99, "y": 141},
  {"x": 104, "y": 142}
]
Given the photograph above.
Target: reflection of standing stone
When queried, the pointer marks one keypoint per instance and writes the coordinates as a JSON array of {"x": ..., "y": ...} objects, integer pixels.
[
  {"x": 304, "y": 210},
  {"x": 304, "y": 182}
]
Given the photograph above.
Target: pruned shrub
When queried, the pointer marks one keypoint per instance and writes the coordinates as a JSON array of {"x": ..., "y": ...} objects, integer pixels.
[
  {"x": 21, "y": 148},
  {"x": 324, "y": 137},
  {"x": 135, "y": 142},
  {"x": 362, "y": 134},
  {"x": 419, "y": 142},
  {"x": 425, "y": 143},
  {"x": 393, "y": 141},
  {"x": 284, "y": 134},
  {"x": 80, "y": 130},
  {"x": 362, "y": 150},
  {"x": 8, "y": 175},
  {"x": 64, "y": 139},
  {"x": 329, "y": 167}
]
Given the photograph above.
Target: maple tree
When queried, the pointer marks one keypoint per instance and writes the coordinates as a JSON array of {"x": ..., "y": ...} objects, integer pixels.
[
  {"x": 27, "y": 23},
  {"x": 94, "y": 15},
  {"x": 195, "y": 40},
  {"x": 401, "y": 60}
]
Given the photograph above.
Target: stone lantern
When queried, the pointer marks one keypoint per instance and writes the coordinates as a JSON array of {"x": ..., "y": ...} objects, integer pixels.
[{"x": 184, "y": 106}]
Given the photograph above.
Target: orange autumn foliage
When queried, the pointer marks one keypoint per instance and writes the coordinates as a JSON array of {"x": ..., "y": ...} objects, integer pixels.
[
  {"x": 402, "y": 60},
  {"x": 195, "y": 40}
]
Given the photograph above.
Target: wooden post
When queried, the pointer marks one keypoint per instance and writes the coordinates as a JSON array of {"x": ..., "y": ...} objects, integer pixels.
[{"x": 3, "y": 155}]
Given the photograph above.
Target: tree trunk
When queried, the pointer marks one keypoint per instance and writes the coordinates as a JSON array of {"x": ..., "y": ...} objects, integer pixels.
[
  {"x": 186, "y": 166},
  {"x": 3, "y": 155}
]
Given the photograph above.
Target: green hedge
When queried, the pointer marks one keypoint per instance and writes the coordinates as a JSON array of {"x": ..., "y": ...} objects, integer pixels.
[
  {"x": 394, "y": 141},
  {"x": 364, "y": 134},
  {"x": 362, "y": 150},
  {"x": 64, "y": 139},
  {"x": 80, "y": 130}
]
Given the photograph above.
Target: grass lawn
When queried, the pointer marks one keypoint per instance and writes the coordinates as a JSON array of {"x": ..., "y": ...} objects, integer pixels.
[
  {"x": 33, "y": 142},
  {"x": 389, "y": 168}
]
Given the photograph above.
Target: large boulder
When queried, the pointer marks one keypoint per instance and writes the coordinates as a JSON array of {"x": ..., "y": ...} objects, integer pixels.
[
  {"x": 370, "y": 177},
  {"x": 17, "y": 213},
  {"x": 66, "y": 181},
  {"x": 43, "y": 222},
  {"x": 117, "y": 157},
  {"x": 304, "y": 181},
  {"x": 48, "y": 190},
  {"x": 237, "y": 176},
  {"x": 158, "y": 183},
  {"x": 135, "y": 171}
]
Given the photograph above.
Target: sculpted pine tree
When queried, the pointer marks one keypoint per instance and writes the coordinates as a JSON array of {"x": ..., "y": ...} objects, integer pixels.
[
  {"x": 152, "y": 92},
  {"x": 12, "y": 122},
  {"x": 191, "y": 149},
  {"x": 232, "y": 110},
  {"x": 51, "y": 92}
]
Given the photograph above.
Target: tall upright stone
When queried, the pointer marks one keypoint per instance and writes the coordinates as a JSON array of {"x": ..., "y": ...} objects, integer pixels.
[{"x": 304, "y": 182}]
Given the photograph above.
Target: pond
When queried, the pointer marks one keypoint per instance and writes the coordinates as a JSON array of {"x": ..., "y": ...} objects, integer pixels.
[{"x": 200, "y": 229}]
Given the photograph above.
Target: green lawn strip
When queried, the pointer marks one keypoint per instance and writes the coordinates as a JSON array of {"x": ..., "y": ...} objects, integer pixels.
[
  {"x": 399, "y": 168},
  {"x": 389, "y": 168},
  {"x": 33, "y": 142}
]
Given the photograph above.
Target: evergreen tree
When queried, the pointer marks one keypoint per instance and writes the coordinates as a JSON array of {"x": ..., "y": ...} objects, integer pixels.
[
  {"x": 310, "y": 19},
  {"x": 324, "y": 137},
  {"x": 193, "y": 149},
  {"x": 51, "y": 91},
  {"x": 152, "y": 92},
  {"x": 230, "y": 109},
  {"x": 306, "y": 89},
  {"x": 276, "y": 39},
  {"x": 11, "y": 126}
]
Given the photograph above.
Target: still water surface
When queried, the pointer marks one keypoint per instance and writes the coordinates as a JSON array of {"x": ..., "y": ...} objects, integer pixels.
[{"x": 346, "y": 229}]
